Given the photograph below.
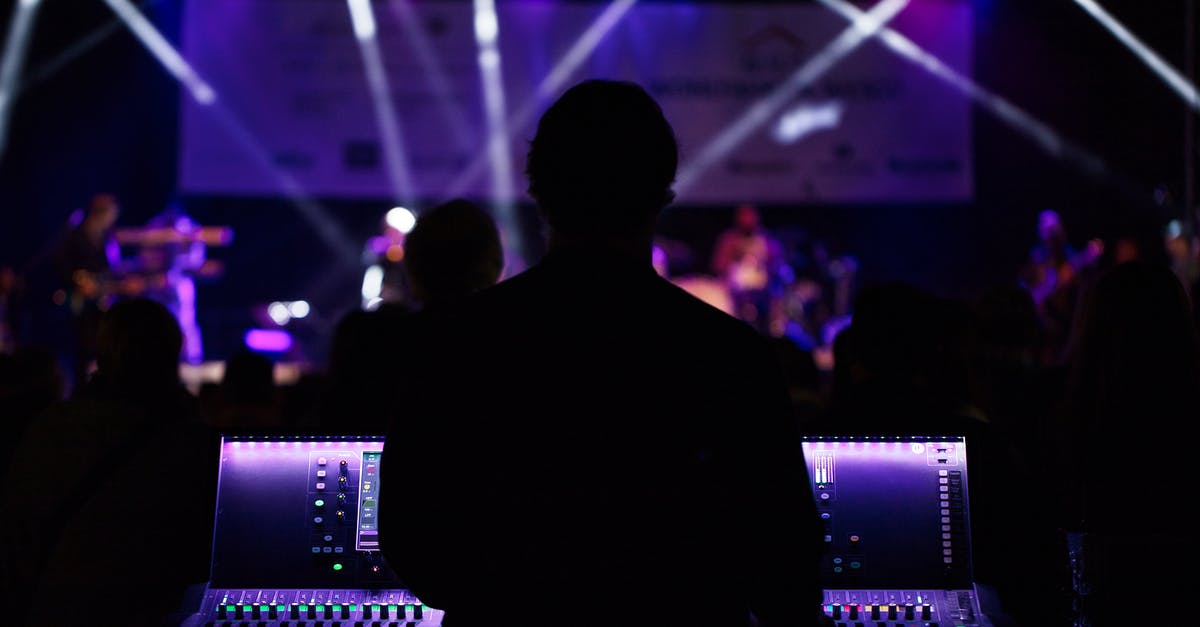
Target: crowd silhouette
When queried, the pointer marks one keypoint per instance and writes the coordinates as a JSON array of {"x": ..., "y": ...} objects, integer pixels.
[{"x": 644, "y": 448}]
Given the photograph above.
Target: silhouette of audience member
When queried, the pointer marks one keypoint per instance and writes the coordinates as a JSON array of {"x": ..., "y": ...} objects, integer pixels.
[
  {"x": 247, "y": 397},
  {"x": 903, "y": 366},
  {"x": 644, "y": 447},
  {"x": 30, "y": 381},
  {"x": 1132, "y": 395},
  {"x": 111, "y": 491},
  {"x": 452, "y": 251}
]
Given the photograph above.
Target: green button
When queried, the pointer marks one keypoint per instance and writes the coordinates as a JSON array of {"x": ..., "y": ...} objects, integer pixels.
[
  {"x": 319, "y": 503},
  {"x": 337, "y": 566},
  {"x": 229, "y": 608}
]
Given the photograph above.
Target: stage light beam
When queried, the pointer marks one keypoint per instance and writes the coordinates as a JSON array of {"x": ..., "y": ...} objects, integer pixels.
[
  {"x": 391, "y": 136},
  {"x": 1168, "y": 74},
  {"x": 1039, "y": 132},
  {"x": 487, "y": 36},
  {"x": 554, "y": 81},
  {"x": 862, "y": 28},
  {"x": 162, "y": 50},
  {"x": 19, "y": 31}
]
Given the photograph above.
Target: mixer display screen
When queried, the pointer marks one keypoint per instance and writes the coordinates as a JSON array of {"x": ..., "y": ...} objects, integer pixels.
[{"x": 895, "y": 512}]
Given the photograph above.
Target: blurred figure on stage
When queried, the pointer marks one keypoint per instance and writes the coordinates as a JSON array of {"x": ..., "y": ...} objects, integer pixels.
[
  {"x": 750, "y": 260},
  {"x": 10, "y": 299},
  {"x": 1053, "y": 274},
  {"x": 170, "y": 254},
  {"x": 88, "y": 261}
]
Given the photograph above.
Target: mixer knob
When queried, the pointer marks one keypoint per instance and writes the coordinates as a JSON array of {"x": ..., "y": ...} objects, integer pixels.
[
  {"x": 345, "y": 467},
  {"x": 925, "y": 612},
  {"x": 910, "y": 612}
]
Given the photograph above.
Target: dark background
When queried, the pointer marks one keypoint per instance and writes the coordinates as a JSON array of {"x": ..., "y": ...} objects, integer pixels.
[{"x": 96, "y": 112}]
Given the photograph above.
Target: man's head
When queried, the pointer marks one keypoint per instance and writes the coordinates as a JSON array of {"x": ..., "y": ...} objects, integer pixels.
[
  {"x": 453, "y": 250},
  {"x": 603, "y": 160},
  {"x": 1050, "y": 227},
  {"x": 746, "y": 218},
  {"x": 103, "y": 211}
]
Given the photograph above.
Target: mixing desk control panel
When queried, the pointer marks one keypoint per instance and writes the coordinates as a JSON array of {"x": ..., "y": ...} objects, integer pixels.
[
  {"x": 903, "y": 608},
  {"x": 296, "y": 538}
]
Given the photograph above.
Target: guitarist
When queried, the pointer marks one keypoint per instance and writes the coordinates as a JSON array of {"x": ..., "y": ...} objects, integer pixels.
[{"x": 88, "y": 260}]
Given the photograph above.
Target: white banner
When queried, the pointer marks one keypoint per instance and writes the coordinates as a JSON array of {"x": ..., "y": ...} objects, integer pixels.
[{"x": 295, "y": 115}]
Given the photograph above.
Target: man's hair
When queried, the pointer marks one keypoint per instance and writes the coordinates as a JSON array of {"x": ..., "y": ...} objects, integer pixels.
[
  {"x": 603, "y": 159},
  {"x": 453, "y": 250}
]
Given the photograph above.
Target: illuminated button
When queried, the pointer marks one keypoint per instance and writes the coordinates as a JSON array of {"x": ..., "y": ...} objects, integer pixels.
[
  {"x": 321, "y": 461},
  {"x": 320, "y": 485},
  {"x": 337, "y": 566},
  {"x": 327, "y": 549},
  {"x": 316, "y": 549},
  {"x": 837, "y": 560},
  {"x": 392, "y": 609},
  {"x": 855, "y": 564},
  {"x": 225, "y": 611},
  {"x": 837, "y": 569},
  {"x": 338, "y": 549},
  {"x": 319, "y": 503},
  {"x": 320, "y": 474},
  {"x": 341, "y": 482},
  {"x": 341, "y": 497},
  {"x": 341, "y": 515},
  {"x": 329, "y": 538},
  {"x": 318, "y": 520}
]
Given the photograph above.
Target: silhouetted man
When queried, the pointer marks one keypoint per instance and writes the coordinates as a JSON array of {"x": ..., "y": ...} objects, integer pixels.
[{"x": 585, "y": 443}]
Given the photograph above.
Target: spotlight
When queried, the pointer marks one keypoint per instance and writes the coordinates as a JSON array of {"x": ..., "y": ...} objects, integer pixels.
[
  {"x": 299, "y": 309},
  {"x": 401, "y": 219},
  {"x": 279, "y": 313}
]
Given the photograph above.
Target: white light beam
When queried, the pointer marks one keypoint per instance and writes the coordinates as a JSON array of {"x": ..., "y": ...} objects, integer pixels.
[
  {"x": 19, "y": 31},
  {"x": 399, "y": 174},
  {"x": 162, "y": 50},
  {"x": 1038, "y": 131},
  {"x": 1168, "y": 74},
  {"x": 551, "y": 84}
]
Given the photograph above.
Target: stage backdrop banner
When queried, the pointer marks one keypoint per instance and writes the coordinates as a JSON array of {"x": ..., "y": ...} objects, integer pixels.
[{"x": 295, "y": 113}]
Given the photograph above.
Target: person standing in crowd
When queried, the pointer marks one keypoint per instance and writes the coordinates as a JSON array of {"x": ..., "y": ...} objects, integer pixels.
[
  {"x": 452, "y": 252},
  {"x": 624, "y": 454}
]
